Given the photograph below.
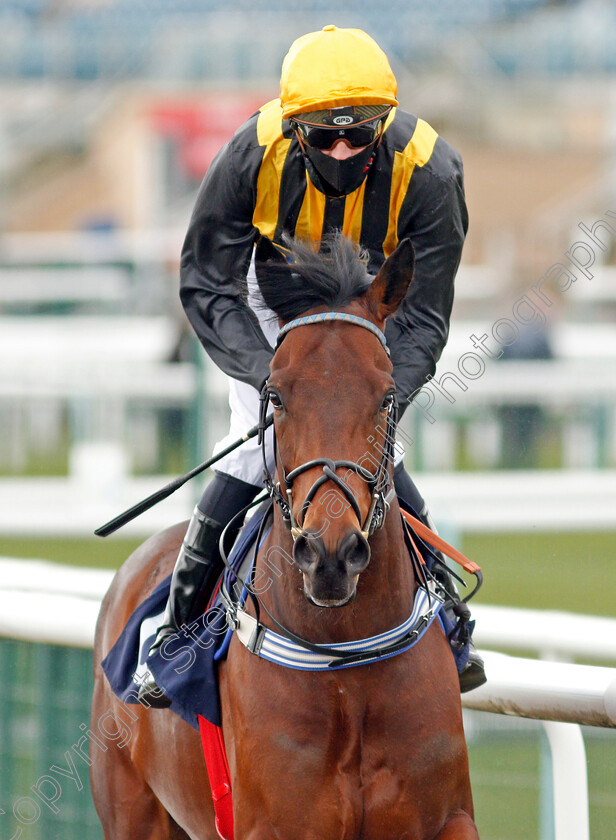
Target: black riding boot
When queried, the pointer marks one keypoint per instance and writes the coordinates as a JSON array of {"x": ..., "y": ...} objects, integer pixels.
[
  {"x": 198, "y": 565},
  {"x": 473, "y": 674}
]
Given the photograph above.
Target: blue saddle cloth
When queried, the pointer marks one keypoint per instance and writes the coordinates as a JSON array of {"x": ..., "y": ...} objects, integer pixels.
[{"x": 185, "y": 667}]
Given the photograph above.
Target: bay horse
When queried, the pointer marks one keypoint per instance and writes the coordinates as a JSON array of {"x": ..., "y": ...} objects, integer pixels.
[{"x": 362, "y": 753}]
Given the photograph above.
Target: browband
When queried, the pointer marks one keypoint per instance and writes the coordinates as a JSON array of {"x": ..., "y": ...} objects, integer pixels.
[{"x": 333, "y": 316}]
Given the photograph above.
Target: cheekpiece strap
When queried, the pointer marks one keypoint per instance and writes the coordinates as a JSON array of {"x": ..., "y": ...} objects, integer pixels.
[{"x": 333, "y": 316}]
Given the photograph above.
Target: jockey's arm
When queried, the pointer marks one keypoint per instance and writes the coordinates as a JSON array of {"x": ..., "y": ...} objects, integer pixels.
[
  {"x": 434, "y": 216},
  {"x": 215, "y": 260}
]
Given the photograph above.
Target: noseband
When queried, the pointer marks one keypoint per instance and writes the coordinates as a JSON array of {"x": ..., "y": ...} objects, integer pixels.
[{"x": 379, "y": 482}]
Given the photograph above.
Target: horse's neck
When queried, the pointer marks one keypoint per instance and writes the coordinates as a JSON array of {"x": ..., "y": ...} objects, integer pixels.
[{"x": 385, "y": 589}]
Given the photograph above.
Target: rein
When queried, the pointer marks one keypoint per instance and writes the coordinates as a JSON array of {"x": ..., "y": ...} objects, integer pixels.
[
  {"x": 288, "y": 649},
  {"x": 292, "y": 651},
  {"x": 379, "y": 482}
]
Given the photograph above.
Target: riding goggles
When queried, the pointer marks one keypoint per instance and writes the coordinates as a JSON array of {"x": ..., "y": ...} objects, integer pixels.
[{"x": 355, "y": 134}]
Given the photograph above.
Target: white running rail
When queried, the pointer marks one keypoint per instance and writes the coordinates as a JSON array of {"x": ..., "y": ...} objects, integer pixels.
[{"x": 55, "y": 604}]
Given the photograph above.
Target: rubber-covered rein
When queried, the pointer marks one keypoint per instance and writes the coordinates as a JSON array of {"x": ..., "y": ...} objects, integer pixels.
[
  {"x": 428, "y": 536},
  {"x": 435, "y": 541}
]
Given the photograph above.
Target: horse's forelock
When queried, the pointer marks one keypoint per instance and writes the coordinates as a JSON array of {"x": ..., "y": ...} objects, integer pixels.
[{"x": 332, "y": 277}]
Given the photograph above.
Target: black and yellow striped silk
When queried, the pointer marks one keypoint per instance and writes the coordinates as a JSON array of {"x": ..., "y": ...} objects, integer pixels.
[
  {"x": 259, "y": 184},
  {"x": 288, "y": 201}
]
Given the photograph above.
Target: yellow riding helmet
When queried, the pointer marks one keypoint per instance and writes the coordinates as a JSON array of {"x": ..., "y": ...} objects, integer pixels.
[{"x": 333, "y": 68}]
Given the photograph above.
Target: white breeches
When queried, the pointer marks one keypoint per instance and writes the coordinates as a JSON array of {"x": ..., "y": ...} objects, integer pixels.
[{"x": 246, "y": 462}]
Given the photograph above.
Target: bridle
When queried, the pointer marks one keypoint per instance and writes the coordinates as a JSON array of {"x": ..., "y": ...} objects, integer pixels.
[
  {"x": 379, "y": 481},
  {"x": 283, "y": 646}
]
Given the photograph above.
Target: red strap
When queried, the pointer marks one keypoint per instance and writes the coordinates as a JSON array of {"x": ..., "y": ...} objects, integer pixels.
[
  {"x": 438, "y": 542},
  {"x": 218, "y": 774}
]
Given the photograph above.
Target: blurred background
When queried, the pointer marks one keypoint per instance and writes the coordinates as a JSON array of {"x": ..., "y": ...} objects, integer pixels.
[{"x": 110, "y": 113}]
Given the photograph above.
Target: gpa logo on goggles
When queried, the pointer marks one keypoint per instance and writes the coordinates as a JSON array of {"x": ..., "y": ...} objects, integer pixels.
[{"x": 342, "y": 120}]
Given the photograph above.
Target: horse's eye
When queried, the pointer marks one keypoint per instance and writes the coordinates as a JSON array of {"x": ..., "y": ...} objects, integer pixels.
[
  {"x": 275, "y": 400},
  {"x": 387, "y": 403}
]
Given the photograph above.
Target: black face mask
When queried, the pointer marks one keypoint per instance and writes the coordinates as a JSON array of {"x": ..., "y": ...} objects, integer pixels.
[{"x": 338, "y": 177}]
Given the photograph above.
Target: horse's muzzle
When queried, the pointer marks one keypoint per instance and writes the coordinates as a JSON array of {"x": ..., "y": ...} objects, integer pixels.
[{"x": 330, "y": 578}]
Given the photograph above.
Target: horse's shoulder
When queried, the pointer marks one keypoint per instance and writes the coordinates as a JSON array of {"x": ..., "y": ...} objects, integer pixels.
[{"x": 136, "y": 578}]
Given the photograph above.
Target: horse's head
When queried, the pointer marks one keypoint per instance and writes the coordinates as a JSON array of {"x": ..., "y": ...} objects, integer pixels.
[{"x": 333, "y": 396}]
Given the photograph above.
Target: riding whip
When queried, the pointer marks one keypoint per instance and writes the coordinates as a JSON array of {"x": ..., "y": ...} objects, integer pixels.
[{"x": 168, "y": 489}]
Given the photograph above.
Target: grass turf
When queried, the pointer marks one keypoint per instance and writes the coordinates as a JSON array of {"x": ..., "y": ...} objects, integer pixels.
[
  {"x": 560, "y": 571},
  {"x": 506, "y": 771}
]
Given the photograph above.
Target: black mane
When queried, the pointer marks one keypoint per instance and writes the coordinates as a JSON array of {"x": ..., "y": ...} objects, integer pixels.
[{"x": 333, "y": 277}]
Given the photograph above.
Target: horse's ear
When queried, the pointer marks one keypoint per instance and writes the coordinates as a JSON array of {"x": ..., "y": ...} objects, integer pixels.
[{"x": 392, "y": 282}]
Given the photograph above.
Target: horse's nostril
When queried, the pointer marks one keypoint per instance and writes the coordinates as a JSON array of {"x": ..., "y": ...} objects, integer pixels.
[
  {"x": 307, "y": 551},
  {"x": 355, "y": 552},
  {"x": 330, "y": 577}
]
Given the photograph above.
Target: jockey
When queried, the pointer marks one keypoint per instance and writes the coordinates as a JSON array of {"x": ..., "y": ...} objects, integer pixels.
[{"x": 333, "y": 152}]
